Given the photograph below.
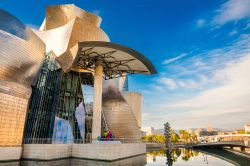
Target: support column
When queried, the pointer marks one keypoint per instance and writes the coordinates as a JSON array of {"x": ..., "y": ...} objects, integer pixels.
[{"x": 97, "y": 106}]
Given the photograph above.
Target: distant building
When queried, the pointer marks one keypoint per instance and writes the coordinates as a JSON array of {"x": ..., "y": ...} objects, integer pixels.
[
  {"x": 148, "y": 130},
  {"x": 151, "y": 130},
  {"x": 239, "y": 131},
  {"x": 204, "y": 132},
  {"x": 247, "y": 128},
  {"x": 225, "y": 132}
]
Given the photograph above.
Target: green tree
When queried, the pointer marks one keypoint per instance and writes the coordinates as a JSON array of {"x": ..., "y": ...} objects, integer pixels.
[
  {"x": 184, "y": 135},
  {"x": 174, "y": 137},
  {"x": 155, "y": 138}
]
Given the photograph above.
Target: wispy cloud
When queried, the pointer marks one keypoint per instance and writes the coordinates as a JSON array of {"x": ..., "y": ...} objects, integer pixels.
[
  {"x": 172, "y": 83},
  {"x": 231, "y": 97},
  {"x": 200, "y": 23},
  {"x": 167, "y": 61},
  {"x": 219, "y": 82},
  {"x": 232, "y": 10},
  {"x": 223, "y": 106},
  {"x": 233, "y": 32}
]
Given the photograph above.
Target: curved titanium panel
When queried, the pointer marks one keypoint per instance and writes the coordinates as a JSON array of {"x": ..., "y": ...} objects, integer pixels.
[
  {"x": 21, "y": 56},
  {"x": 60, "y": 15},
  {"x": 135, "y": 101},
  {"x": 119, "y": 116},
  {"x": 20, "y": 59}
]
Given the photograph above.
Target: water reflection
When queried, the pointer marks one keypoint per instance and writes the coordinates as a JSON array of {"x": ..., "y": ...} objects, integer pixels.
[
  {"x": 134, "y": 161},
  {"x": 181, "y": 157},
  {"x": 170, "y": 157}
]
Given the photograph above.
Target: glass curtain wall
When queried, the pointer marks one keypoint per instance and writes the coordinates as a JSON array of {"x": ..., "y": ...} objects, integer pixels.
[{"x": 60, "y": 109}]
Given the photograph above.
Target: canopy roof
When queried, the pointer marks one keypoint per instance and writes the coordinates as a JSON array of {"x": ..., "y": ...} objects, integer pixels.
[{"x": 117, "y": 60}]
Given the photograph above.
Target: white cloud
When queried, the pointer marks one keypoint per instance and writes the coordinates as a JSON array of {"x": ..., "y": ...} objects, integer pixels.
[
  {"x": 232, "y": 96},
  {"x": 200, "y": 23},
  {"x": 247, "y": 26},
  {"x": 168, "y": 82},
  {"x": 233, "y": 32},
  {"x": 211, "y": 87},
  {"x": 167, "y": 61},
  {"x": 173, "y": 84},
  {"x": 157, "y": 88},
  {"x": 224, "y": 106},
  {"x": 232, "y": 10}
]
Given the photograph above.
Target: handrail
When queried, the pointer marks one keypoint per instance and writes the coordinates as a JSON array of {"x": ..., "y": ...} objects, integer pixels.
[
  {"x": 78, "y": 141},
  {"x": 104, "y": 120}
]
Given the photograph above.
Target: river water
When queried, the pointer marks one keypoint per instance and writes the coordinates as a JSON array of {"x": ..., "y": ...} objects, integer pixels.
[
  {"x": 176, "y": 157},
  {"x": 181, "y": 157}
]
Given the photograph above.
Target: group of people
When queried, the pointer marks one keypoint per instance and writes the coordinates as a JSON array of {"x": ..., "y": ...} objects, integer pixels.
[{"x": 106, "y": 136}]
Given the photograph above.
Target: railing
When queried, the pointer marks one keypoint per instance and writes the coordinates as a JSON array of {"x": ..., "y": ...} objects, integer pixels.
[
  {"x": 78, "y": 141},
  {"x": 234, "y": 142},
  {"x": 105, "y": 122}
]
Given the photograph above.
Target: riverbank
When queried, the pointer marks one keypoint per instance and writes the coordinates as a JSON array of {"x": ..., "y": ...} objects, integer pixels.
[{"x": 237, "y": 159}]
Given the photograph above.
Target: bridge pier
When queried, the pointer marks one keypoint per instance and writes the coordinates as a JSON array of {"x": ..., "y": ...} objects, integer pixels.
[{"x": 242, "y": 149}]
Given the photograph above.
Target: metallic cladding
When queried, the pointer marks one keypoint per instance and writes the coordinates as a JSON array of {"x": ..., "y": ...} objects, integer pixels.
[
  {"x": 119, "y": 115},
  {"x": 21, "y": 54}
]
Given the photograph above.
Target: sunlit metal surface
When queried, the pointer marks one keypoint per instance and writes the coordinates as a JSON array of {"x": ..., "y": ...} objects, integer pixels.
[
  {"x": 21, "y": 54},
  {"x": 135, "y": 101},
  {"x": 76, "y": 41},
  {"x": 60, "y": 15},
  {"x": 120, "y": 117},
  {"x": 67, "y": 25}
]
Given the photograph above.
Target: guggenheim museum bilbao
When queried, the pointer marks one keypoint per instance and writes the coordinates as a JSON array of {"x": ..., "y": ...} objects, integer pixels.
[{"x": 64, "y": 88}]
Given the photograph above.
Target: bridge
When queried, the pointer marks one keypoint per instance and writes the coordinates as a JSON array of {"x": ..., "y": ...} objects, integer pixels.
[
  {"x": 243, "y": 144},
  {"x": 239, "y": 142}
]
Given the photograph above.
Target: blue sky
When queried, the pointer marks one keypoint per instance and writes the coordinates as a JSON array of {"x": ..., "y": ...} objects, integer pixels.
[{"x": 201, "y": 50}]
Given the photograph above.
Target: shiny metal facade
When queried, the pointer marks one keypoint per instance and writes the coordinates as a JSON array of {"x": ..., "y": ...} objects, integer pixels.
[
  {"x": 121, "y": 119},
  {"x": 21, "y": 56},
  {"x": 66, "y": 33},
  {"x": 67, "y": 25},
  {"x": 135, "y": 101}
]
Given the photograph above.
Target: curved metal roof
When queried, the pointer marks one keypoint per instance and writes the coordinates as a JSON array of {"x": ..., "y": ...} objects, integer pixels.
[
  {"x": 122, "y": 48},
  {"x": 117, "y": 60}
]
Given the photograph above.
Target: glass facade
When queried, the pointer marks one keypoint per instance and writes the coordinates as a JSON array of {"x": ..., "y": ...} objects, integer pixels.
[{"x": 60, "y": 109}]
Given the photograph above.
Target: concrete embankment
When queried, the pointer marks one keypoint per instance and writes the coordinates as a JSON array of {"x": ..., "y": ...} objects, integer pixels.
[
  {"x": 236, "y": 159},
  {"x": 155, "y": 145}
]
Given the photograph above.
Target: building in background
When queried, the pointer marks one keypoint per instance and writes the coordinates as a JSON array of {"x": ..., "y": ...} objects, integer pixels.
[
  {"x": 151, "y": 130},
  {"x": 247, "y": 128}
]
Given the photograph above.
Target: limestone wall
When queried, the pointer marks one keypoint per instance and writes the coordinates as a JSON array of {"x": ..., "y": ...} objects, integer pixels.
[
  {"x": 10, "y": 153},
  {"x": 107, "y": 152},
  {"x": 46, "y": 151}
]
